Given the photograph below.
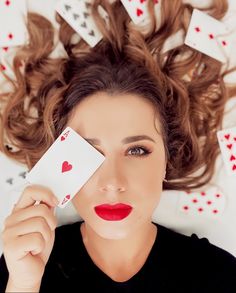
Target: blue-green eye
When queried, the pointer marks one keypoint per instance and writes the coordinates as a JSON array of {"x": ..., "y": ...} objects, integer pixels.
[{"x": 135, "y": 151}]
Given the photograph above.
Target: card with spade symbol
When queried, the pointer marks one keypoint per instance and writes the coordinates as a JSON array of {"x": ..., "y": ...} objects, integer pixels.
[
  {"x": 66, "y": 166},
  {"x": 78, "y": 15}
]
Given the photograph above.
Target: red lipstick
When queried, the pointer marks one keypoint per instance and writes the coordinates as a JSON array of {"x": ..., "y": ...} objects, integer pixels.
[{"x": 115, "y": 212}]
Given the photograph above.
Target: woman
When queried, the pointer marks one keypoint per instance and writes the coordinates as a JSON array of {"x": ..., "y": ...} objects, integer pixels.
[{"x": 154, "y": 117}]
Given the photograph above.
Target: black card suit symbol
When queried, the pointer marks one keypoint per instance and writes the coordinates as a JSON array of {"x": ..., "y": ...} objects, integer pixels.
[
  {"x": 91, "y": 33},
  {"x": 75, "y": 16},
  {"x": 23, "y": 174},
  {"x": 67, "y": 7},
  {"x": 86, "y": 14},
  {"x": 8, "y": 147},
  {"x": 83, "y": 24},
  {"x": 10, "y": 181},
  {"x": 88, "y": 5}
]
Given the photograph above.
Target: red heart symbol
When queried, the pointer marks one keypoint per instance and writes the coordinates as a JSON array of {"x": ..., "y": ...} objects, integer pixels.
[
  {"x": 232, "y": 158},
  {"x": 2, "y": 67},
  {"x": 66, "y": 167},
  {"x": 229, "y": 146},
  {"x": 141, "y": 1},
  {"x": 234, "y": 138},
  {"x": 66, "y": 198},
  {"x": 139, "y": 12},
  {"x": 62, "y": 138},
  {"x": 227, "y": 136},
  {"x": 234, "y": 167}
]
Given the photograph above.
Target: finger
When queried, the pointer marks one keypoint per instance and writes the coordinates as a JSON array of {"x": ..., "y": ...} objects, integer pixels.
[
  {"x": 33, "y": 242},
  {"x": 37, "y": 224},
  {"x": 33, "y": 193},
  {"x": 40, "y": 210}
]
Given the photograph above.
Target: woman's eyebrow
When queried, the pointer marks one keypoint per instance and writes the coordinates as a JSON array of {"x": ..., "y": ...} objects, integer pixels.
[{"x": 125, "y": 140}]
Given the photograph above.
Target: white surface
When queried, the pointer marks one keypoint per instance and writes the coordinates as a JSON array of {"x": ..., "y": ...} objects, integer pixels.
[{"x": 220, "y": 231}]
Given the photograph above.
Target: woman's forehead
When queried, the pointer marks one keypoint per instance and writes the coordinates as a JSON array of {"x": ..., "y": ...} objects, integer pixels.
[{"x": 117, "y": 111}]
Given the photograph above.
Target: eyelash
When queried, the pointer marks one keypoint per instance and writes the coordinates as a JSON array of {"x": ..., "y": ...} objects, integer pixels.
[{"x": 146, "y": 151}]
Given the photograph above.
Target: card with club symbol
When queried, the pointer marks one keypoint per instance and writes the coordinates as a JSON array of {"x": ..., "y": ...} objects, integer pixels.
[{"x": 66, "y": 166}]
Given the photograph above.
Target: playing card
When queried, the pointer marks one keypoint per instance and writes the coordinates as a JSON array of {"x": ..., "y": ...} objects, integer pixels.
[
  {"x": 12, "y": 174},
  {"x": 138, "y": 9},
  {"x": 13, "y": 30},
  {"x": 209, "y": 203},
  {"x": 227, "y": 143},
  {"x": 66, "y": 166},
  {"x": 78, "y": 15},
  {"x": 7, "y": 55},
  {"x": 209, "y": 36}
]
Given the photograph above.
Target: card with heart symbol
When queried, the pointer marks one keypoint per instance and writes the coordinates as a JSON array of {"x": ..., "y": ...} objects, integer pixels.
[
  {"x": 66, "y": 166},
  {"x": 138, "y": 10},
  {"x": 227, "y": 142},
  {"x": 78, "y": 15},
  {"x": 209, "y": 202}
]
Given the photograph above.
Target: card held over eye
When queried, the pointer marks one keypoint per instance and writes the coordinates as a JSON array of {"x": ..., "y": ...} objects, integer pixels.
[{"x": 66, "y": 166}]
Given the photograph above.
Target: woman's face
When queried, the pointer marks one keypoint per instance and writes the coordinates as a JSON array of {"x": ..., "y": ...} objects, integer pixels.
[{"x": 129, "y": 175}]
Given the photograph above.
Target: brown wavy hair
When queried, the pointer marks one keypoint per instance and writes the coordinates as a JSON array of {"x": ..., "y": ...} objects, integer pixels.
[{"x": 185, "y": 86}]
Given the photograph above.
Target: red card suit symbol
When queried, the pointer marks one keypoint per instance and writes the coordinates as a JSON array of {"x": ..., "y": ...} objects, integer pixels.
[
  {"x": 234, "y": 167},
  {"x": 227, "y": 136},
  {"x": 197, "y": 29},
  {"x": 2, "y": 67},
  {"x": 66, "y": 198},
  {"x": 224, "y": 43},
  {"x": 211, "y": 36},
  {"x": 66, "y": 167},
  {"x": 64, "y": 136},
  {"x": 139, "y": 12},
  {"x": 229, "y": 146},
  {"x": 232, "y": 158}
]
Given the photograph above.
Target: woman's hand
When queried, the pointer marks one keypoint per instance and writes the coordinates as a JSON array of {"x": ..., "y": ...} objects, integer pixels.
[{"x": 28, "y": 237}]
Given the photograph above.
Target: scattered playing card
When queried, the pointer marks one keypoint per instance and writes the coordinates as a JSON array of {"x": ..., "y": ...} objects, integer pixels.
[
  {"x": 208, "y": 203},
  {"x": 209, "y": 36},
  {"x": 7, "y": 55},
  {"x": 12, "y": 174},
  {"x": 227, "y": 142},
  {"x": 66, "y": 166},
  {"x": 13, "y": 16},
  {"x": 78, "y": 15},
  {"x": 138, "y": 9}
]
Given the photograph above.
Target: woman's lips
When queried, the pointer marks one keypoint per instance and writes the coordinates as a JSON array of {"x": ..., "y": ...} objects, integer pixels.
[{"x": 115, "y": 212}]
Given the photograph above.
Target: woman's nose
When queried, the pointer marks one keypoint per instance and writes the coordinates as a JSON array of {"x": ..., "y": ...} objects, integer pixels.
[{"x": 111, "y": 176}]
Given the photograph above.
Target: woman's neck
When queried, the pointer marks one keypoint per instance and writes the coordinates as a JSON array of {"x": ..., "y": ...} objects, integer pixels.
[{"x": 117, "y": 253}]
